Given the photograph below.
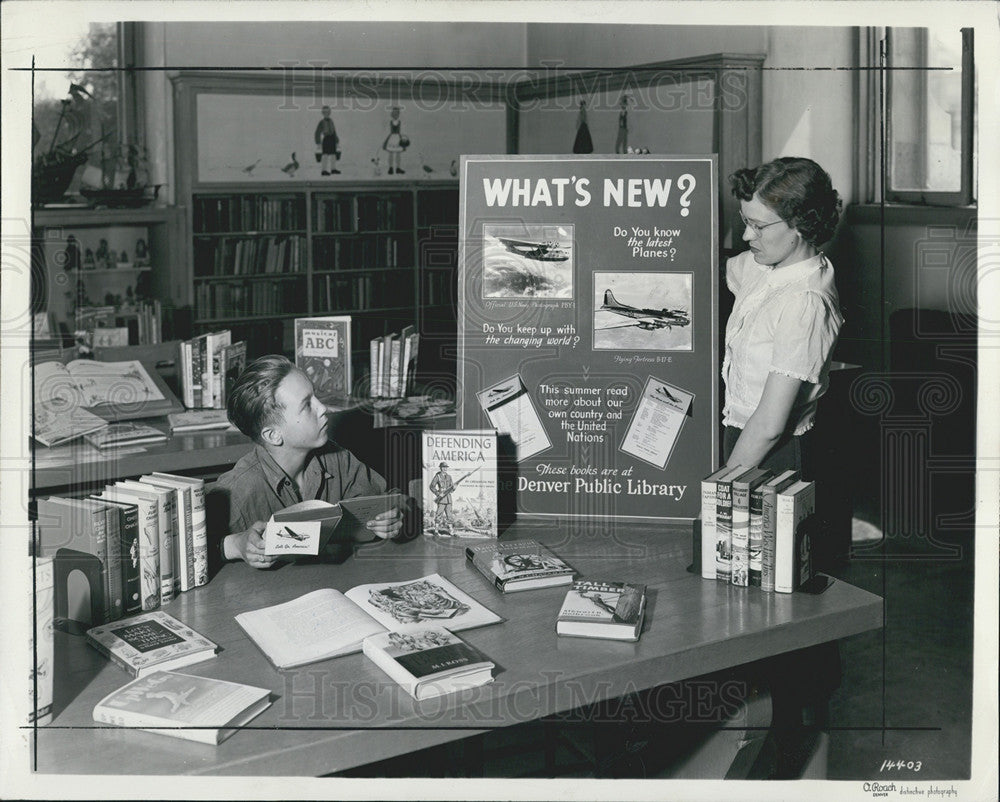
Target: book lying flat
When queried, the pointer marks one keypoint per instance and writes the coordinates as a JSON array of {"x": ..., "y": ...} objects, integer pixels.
[
  {"x": 148, "y": 642},
  {"x": 305, "y": 529},
  {"x": 613, "y": 610},
  {"x": 54, "y": 426},
  {"x": 327, "y": 623},
  {"x": 519, "y": 565},
  {"x": 183, "y": 706},
  {"x": 125, "y": 434},
  {"x": 429, "y": 662},
  {"x": 199, "y": 420}
]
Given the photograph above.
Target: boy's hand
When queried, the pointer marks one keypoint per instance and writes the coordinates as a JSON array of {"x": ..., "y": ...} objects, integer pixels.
[
  {"x": 249, "y": 545},
  {"x": 386, "y": 524}
]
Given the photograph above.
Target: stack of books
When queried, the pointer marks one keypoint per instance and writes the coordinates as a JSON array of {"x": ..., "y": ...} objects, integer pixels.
[
  {"x": 393, "y": 364},
  {"x": 209, "y": 365},
  {"x": 755, "y": 528},
  {"x": 148, "y": 536}
]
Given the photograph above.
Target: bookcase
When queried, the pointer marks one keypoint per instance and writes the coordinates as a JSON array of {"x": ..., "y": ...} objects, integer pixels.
[{"x": 263, "y": 255}]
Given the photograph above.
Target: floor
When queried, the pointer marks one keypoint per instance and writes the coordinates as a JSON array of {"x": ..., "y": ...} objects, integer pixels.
[{"x": 915, "y": 677}]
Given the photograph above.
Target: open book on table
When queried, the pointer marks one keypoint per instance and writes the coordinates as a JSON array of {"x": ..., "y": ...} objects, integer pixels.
[
  {"x": 111, "y": 390},
  {"x": 327, "y": 623}
]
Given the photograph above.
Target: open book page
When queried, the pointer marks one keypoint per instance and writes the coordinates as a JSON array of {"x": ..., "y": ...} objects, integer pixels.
[
  {"x": 416, "y": 603},
  {"x": 113, "y": 382},
  {"x": 313, "y": 627},
  {"x": 55, "y": 388}
]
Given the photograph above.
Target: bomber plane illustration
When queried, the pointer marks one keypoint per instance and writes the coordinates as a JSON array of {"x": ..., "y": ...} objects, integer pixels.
[{"x": 645, "y": 319}]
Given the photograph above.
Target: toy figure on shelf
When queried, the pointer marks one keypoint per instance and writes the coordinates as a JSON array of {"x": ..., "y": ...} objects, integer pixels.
[
  {"x": 583, "y": 143},
  {"x": 395, "y": 143},
  {"x": 621, "y": 141},
  {"x": 123, "y": 259},
  {"x": 327, "y": 144},
  {"x": 89, "y": 263},
  {"x": 104, "y": 256},
  {"x": 72, "y": 255},
  {"x": 141, "y": 253}
]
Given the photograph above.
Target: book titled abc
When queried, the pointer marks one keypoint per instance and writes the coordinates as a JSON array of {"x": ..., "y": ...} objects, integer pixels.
[
  {"x": 153, "y": 641},
  {"x": 593, "y": 609},
  {"x": 323, "y": 353}
]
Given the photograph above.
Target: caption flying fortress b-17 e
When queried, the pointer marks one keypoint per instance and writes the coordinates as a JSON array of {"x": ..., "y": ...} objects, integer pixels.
[
  {"x": 540, "y": 251},
  {"x": 646, "y": 319}
]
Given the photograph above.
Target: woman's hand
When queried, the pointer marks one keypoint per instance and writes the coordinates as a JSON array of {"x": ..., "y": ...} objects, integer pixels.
[
  {"x": 249, "y": 546},
  {"x": 386, "y": 524}
]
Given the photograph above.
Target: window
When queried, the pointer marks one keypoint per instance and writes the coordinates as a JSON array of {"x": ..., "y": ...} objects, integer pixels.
[
  {"x": 926, "y": 78},
  {"x": 80, "y": 99}
]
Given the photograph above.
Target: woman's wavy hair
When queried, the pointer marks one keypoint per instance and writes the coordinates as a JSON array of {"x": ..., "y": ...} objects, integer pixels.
[
  {"x": 798, "y": 190},
  {"x": 251, "y": 406}
]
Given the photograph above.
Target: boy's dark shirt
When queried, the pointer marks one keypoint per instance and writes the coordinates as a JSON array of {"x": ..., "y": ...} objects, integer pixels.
[{"x": 256, "y": 487}]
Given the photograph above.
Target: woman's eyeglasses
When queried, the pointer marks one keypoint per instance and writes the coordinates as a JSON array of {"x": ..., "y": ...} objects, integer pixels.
[{"x": 756, "y": 228}]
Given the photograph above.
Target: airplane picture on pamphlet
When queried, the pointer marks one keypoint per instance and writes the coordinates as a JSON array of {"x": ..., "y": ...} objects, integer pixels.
[
  {"x": 528, "y": 261},
  {"x": 642, "y": 311},
  {"x": 541, "y": 251},
  {"x": 496, "y": 392},
  {"x": 667, "y": 394},
  {"x": 646, "y": 319},
  {"x": 288, "y": 533}
]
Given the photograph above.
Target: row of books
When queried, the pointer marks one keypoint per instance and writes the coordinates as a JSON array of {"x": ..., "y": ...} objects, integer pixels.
[
  {"x": 235, "y": 299},
  {"x": 385, "y": 290},
  {"x": 208, "y": 366},
  {"x": 148, "y": 537},
  {"x": 137, "y": 323},
  {"x": 755, "y": 528},
  {"x": 393, "y": 364},
  {"x": 355, "y": 213},
  {"x": 243, "y": 256},
  {"x": 363, "y": 251},
  {"x": 248, "y": 213}
]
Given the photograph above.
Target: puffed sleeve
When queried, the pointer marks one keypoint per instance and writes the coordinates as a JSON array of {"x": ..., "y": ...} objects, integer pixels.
[
  {"x": 804, "y": 337},
  {"x": 735, "y": 268}
]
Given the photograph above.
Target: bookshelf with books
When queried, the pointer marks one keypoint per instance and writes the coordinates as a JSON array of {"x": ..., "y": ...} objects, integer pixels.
[{"x": 385, "y": 255}]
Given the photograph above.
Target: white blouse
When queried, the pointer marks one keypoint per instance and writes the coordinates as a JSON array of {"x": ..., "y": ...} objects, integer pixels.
[{"x": 785, "y": 320}]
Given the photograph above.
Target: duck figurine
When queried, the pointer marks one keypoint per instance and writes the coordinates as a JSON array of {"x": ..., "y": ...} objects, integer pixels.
[{"x": 292, "y": 166}]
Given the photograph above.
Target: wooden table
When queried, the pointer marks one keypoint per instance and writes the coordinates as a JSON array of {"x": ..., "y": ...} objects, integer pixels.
[{"x": 343, "y": 713}]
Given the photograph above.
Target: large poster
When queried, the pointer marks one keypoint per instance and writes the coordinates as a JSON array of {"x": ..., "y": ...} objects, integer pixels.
[{"x": 587, "y": 328}]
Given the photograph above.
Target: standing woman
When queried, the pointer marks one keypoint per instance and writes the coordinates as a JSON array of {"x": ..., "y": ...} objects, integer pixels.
[{"x": 785, "y": 320}]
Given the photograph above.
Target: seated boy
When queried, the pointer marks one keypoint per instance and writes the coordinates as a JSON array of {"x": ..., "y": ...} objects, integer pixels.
[{"x": 272, "y": 403}]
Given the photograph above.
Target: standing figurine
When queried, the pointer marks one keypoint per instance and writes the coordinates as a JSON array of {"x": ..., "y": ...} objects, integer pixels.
[
  {"x": 583, "y": 143},
  {"x": 141, "y": 253},
  {"x": 327, "y": 150},
  {"x": 395, "y": 143},
  {"x": 89, "y": 262},
  {"x": 73, "y": 257},
  {"x": 621, "y": 141}
]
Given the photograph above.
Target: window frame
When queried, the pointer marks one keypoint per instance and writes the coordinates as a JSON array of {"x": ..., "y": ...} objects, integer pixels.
[{"x": 964, "y": 196}]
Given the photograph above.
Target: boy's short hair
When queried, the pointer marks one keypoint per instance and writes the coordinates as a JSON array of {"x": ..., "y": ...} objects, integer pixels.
[{"x": 251, "y": 406}]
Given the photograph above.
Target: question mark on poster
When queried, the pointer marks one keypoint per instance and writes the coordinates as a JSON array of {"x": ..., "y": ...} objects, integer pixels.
[{"x": 687, "y": 184}]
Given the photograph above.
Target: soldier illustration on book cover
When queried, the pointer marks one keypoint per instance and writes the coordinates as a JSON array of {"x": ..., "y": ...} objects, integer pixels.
[{"x": 460, "y": 497}]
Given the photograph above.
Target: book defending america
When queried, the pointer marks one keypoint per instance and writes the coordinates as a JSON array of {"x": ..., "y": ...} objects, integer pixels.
[{"x": 460, "y": 483}]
